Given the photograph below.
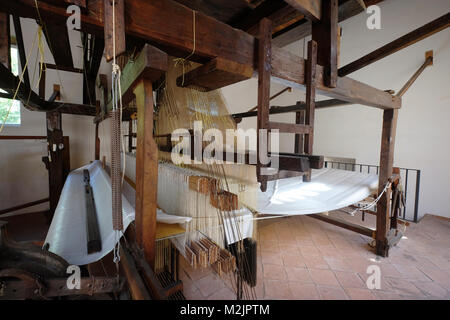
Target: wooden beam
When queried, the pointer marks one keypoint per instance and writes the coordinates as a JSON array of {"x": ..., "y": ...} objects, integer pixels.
[
  {"x": 21, "y": 48},
  {"x": 310, "y": 104},
  {"x": 25, "y": 205},
  {"x": 5, "y": 41},
  {"x": 325, "y": 33},
  {"x": 386, "y": 163},
  {"x": 97, "y": 143},
  {"x": 345, "y": 224},
  {"x": 310, "y": 8},
  {"x": 299, "y": 138},
  {"x": 151, "y": 64},
  {"x": 135, "y": 283},
  {"x": 300, "y": 106},
  {"x": 217, "y": 73},
  {"x": 2, "y": 137},
  {"x": 146, "y": 171},
  {"x": 265, "y": 70},
  {"x": 57, "y": 37},
  {"x": 410, "y": 82},
  {"x": 409, "y": 39},
  {"x": 119, "y": 41},
  {"x": 218, "y": 40}
]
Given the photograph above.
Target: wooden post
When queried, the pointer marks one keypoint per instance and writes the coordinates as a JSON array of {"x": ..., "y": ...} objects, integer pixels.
[
  {"x": 264, "y": 74},
  {"x": 385, "y": 173},
  {"x": 299, "y": 138},
  {"x": 146, "y": 171},
  {"x": 5, "y": 41},
  {"x": 310, "y": 80},
  {"x": 130, "y": 136},
  {"x": 57, "y": 169},
  {"x": 97, "y": 143},
  {"x": 119, "y": 8},
  {"x": 325, "y": 33}
]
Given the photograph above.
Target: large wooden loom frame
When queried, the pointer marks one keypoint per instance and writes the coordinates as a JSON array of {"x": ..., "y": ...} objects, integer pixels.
[{"x": 228, "y": 55}]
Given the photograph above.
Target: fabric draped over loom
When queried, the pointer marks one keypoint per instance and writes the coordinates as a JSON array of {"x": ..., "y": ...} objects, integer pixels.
[{"x": 329, "y": 189}]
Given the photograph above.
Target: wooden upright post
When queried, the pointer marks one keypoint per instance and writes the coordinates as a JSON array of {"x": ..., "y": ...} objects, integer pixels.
[
  {"x": 385, "y": 173},
  {"x": 97, "y": 143},
  {"x": 146, "y": 171},
  {"x": 5, "y": 42},
  {"x": 310, "y": 80},
  {"x": 264, "y": 74},
  {"x": 57, "y": 161},
  {"x": 325, "y": 33}
]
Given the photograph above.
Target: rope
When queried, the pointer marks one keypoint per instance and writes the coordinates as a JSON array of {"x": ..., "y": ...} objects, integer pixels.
[
  {"x": 373, "y": 203},
  {"x": 184, "y": 61}
]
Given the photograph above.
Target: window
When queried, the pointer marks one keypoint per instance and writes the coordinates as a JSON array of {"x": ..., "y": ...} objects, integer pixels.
[{"x": 6, "y": 104}]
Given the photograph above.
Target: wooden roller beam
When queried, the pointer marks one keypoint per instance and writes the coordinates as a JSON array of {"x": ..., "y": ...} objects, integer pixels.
[{"x": 310, "y": 8}]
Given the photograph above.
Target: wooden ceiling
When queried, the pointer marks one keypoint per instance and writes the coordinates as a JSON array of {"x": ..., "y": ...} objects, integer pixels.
[{"x": 289, "y": 25}]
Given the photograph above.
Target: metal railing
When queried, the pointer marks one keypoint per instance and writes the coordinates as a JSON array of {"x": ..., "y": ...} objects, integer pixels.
[{"x": 410, "y": 180}]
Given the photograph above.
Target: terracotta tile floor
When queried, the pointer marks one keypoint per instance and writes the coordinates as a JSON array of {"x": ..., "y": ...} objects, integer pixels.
[{"x": 303, "y": 258}]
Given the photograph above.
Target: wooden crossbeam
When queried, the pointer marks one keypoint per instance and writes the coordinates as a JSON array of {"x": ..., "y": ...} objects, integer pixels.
[
  {"x": 57, "y": 37},
  {"x": 409, "y": 39},
  {"x": 218, "y": 40}
]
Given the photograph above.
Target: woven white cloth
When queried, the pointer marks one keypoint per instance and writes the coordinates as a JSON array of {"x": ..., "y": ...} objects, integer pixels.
[{"x": 329, "y": 189}]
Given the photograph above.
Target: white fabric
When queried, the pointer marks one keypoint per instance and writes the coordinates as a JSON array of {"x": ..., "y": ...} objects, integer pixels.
[
  {"x": 329, "y": 189},
  {"x": 67, "y": 233},
  {"x": 240, "y": 227}
]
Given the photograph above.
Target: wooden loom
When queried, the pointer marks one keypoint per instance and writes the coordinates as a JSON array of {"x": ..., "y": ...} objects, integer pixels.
[{"x": 228, "y": 56}]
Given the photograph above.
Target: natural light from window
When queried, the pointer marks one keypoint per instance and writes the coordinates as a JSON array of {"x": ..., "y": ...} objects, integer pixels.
[{"x": 6, "y": 104}]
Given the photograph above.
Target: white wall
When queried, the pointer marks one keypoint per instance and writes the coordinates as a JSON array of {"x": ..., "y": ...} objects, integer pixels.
[
  {"x": 23, "y": 177},
  {"x": 355, "y": 131}
]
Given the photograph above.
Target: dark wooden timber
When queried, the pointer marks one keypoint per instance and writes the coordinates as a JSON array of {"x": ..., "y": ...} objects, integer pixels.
[
  {"x": 294, "y": 108},
  {"x": 135, "y": 282},
  {"x": 120, "y": 44},
  {"x": 21, "y": 47},
  {"x": 94, "y": 239},
  {"x": 325, "y": 33},
  {"x": 146, "y": 171},
  {"x": 398, "y": 44},
  {"x": 22, "y": 137},
  {"x": 385, "y": 173},
  {"x": 5, "y": 41},
  {"x": 93, "y": 47},
  {"x": 310, "y": 104},
  {"x": 345, "y": 224},
  {"x": 63, "y": 68},
  {"x": 265, "y": 69},
  {"x": 23, "y": 206},
  {"x": 97, "y": 143},
  {"x": 273, "y": 97},
  {"x": 299, "y": 138},
  {"x": 57, "y": 37},
  {"x": 218, "y": 40}
]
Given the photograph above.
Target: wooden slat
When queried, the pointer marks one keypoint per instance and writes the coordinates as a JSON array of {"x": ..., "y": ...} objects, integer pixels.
[
  {"x": 135, "y": 283},
  {"x": 310, "y": 8},
  {"x": 146, "y": 171},
  {"x": 325, "y": 33},
  {"x": 409, "y": 39},
  {"x": 410, "y": 82},
  {"x": 299, "y": 138}
]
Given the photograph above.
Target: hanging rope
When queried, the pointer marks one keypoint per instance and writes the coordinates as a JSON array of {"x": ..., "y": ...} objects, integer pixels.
[{"x": 373, "y": 203}]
